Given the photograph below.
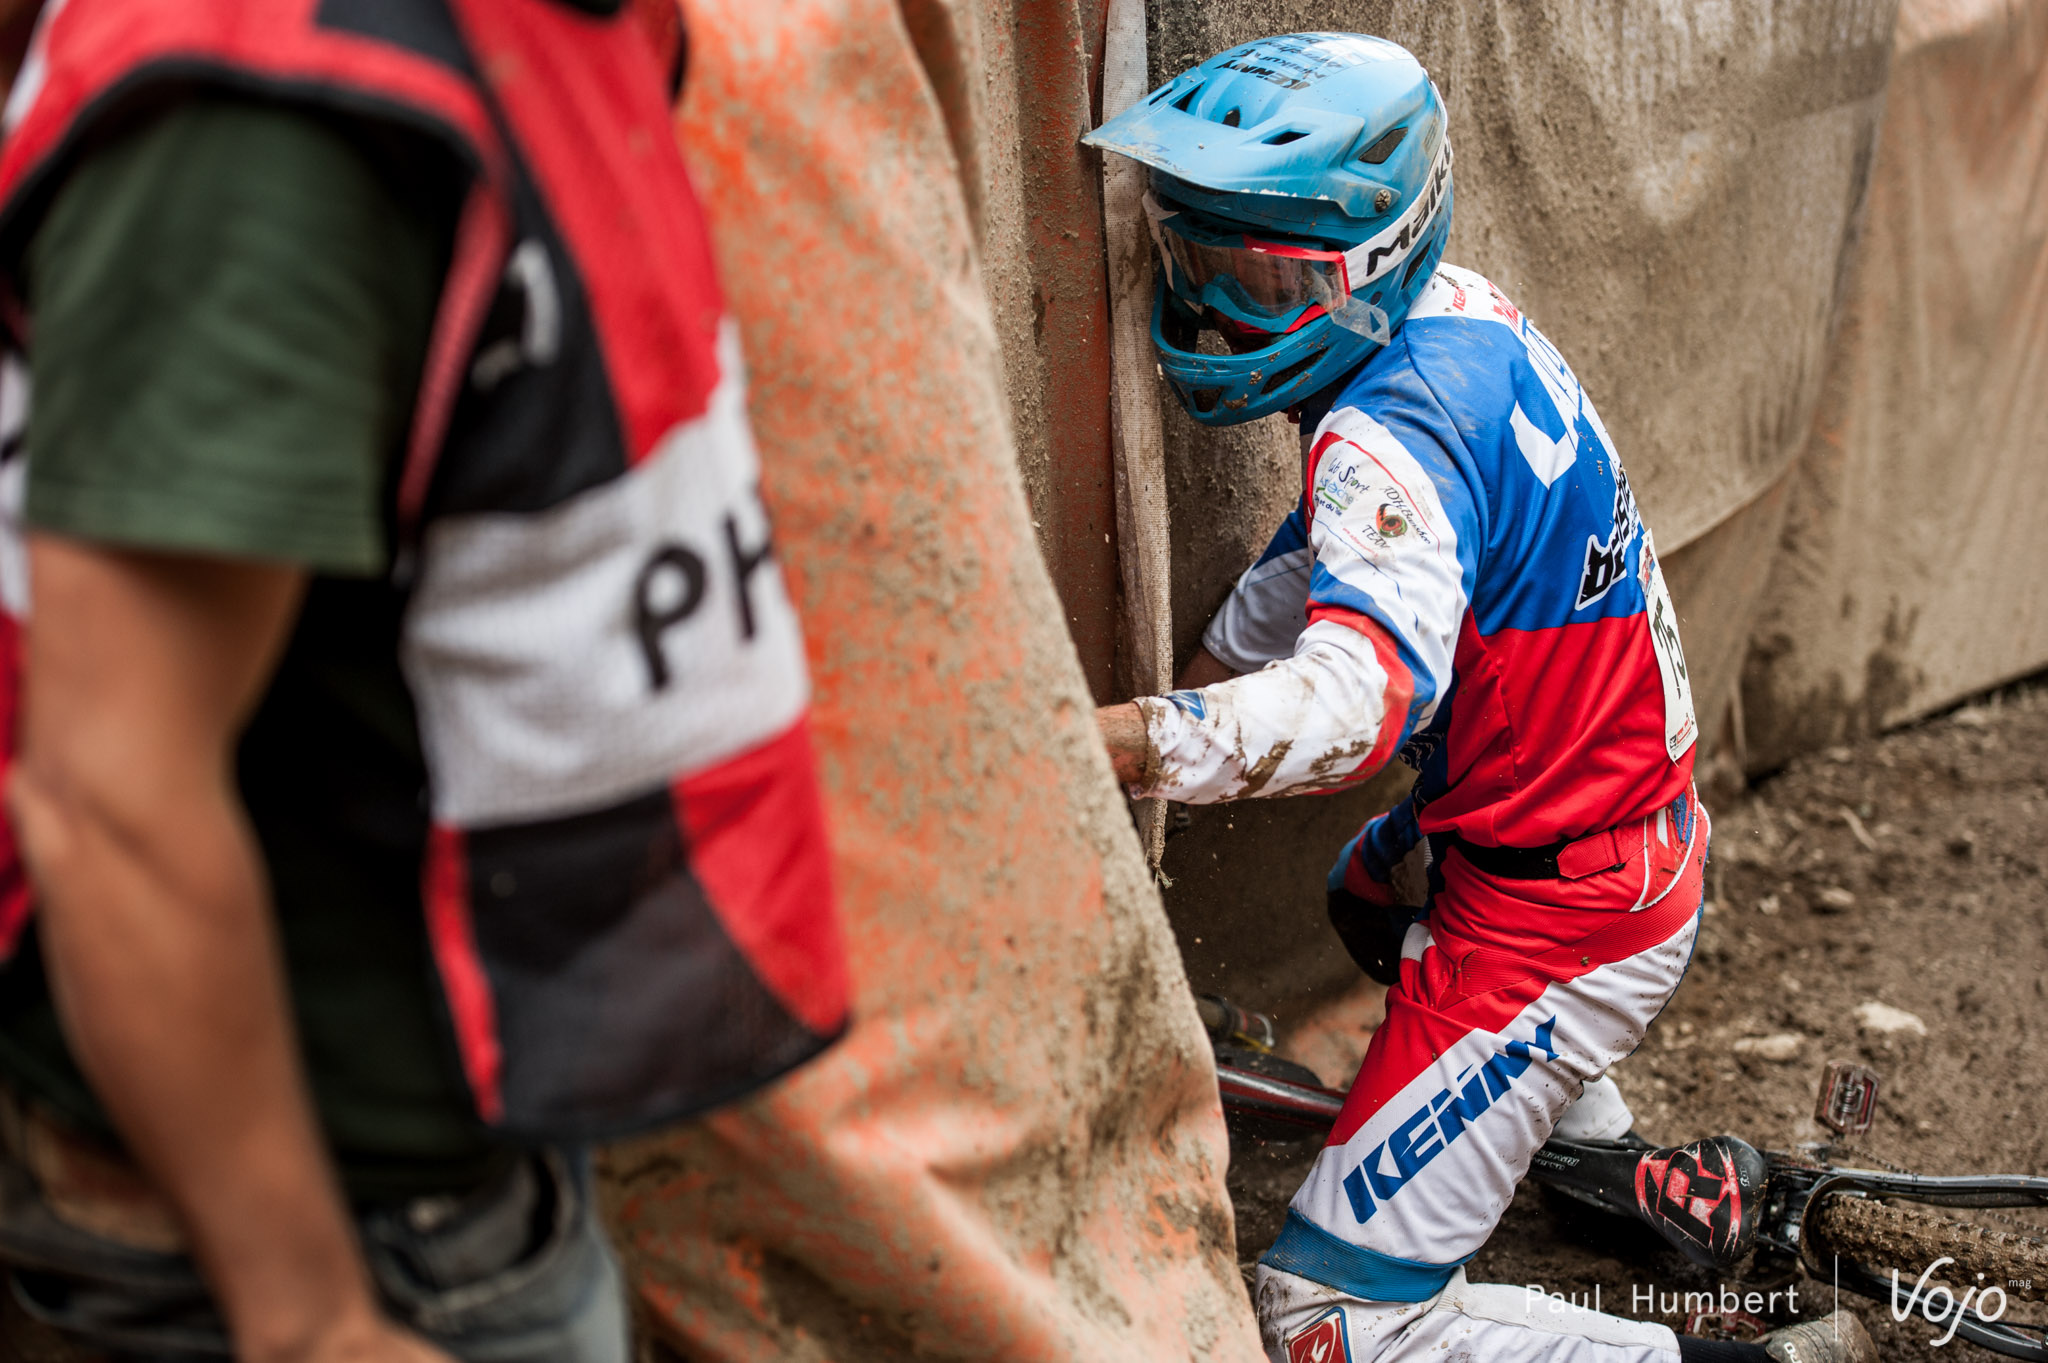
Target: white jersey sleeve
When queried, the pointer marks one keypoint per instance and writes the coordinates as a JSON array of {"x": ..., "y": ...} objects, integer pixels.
[{"x": 1390, "y": 540}]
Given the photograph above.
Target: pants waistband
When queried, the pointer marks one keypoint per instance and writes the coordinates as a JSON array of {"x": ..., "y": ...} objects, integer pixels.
[{"x": 1572, "y": 858}]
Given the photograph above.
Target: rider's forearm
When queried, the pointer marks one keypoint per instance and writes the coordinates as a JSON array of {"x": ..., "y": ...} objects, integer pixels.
[
  {"x": 1124, "y": 734},
  {"x": 161, "y": 953},
  {"x": 1310, "y": 721}
]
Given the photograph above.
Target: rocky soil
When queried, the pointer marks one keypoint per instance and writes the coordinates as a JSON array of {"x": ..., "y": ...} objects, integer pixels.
[{"x": 1883, "y": 903}]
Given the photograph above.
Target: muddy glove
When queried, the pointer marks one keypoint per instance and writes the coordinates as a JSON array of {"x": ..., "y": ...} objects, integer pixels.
[{"x": 1365, "y": 909}]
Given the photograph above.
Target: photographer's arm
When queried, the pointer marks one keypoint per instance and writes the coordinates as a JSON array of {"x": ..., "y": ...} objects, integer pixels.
[{"x": 140, "y": 671}]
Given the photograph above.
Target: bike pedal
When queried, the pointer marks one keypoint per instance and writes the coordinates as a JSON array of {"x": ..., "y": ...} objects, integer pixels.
[
  {"x": 1847, "y": 1101},
  {"x": 1740, "y": 1327},
  {"x": 1704, "y": 1197}
]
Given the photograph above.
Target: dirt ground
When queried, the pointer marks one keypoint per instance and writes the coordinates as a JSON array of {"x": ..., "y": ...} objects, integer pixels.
[{"x": 1904, "y": 872}]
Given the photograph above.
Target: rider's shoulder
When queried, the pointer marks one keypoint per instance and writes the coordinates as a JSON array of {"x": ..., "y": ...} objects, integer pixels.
[
  {"x": 1455, "y": 293},
  {"x": 1469, "y": 346},
  {"x": 1462, "y": 331}
]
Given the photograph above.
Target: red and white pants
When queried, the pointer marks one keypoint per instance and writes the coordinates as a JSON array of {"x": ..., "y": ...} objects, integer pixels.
[{"x": 1514, "y": 997}]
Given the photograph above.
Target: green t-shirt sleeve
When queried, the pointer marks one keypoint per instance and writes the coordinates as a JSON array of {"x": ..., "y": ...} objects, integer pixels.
[{"x": 230, "y": 308}]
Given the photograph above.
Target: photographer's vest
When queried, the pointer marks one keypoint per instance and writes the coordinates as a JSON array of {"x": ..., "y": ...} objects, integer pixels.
[{"x": 626, "y": 881}]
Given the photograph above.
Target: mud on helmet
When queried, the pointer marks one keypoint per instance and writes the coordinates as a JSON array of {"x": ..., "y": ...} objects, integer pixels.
[{"x": 1300, "y": 197}]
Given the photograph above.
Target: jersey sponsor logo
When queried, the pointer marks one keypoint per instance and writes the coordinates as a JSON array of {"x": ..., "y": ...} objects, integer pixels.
[
  {"x": 1547, "y": 458},
  {"x": 1605, "y": 559},
  {"x": 1556, "y": 377},
  {"x": 1433, "y": 1127},
  {"x": 1322, "y": 1341},
  {"x": 1190, "y": 703},
  {"x": 1456, "y": 291},
  {"x": 1464, "y": 293},
  {"x": 1420, "y": 747},
  {"x": 1502, "y": 308},
  {"x": 1347, "y": 476}
]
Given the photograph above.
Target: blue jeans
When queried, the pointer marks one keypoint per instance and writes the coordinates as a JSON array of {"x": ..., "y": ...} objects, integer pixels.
[{"x": 517, "y": 1272}]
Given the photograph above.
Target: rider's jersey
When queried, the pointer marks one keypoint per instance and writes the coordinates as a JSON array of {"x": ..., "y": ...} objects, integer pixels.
[{"x": 1467, "y": 582}]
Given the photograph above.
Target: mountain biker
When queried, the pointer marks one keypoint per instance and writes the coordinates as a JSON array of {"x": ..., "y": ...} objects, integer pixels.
[
  {"x": 412, "y": 760},
  {"x": 1466, "y": 583}
]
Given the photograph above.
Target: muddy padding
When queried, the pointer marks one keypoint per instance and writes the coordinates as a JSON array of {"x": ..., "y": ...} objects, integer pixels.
[{"x": 1017, "y": 1152}]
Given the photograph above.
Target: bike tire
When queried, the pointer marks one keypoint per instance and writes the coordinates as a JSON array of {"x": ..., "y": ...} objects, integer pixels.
[{"x": 1882, "y": 1236}]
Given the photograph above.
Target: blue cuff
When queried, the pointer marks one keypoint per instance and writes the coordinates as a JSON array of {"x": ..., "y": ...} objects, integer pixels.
[
  {"x": 1309, "y": 1251},
  {"x": 1335, "y": 882},
  {"x": 1354, "y": 848}
]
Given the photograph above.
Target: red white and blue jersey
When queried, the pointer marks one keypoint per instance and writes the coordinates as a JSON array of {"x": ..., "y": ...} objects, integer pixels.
[{"x": 1466, "y": 582}]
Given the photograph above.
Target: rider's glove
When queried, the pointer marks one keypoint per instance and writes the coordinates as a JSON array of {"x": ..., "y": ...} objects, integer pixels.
[
  {"x": 1369, "y": 919},
  {"x": 1372, "y": 933}
]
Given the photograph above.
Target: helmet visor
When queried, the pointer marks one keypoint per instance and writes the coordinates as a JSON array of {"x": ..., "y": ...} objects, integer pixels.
[{"x": 1262, "y": 283}]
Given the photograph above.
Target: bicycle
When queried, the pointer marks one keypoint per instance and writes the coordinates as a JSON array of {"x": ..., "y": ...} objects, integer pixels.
[{"x": 1721, "y": 1200}]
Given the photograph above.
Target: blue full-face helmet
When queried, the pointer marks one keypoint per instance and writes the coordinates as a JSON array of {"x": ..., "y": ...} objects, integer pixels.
[{"x": 1300, "y": 197}]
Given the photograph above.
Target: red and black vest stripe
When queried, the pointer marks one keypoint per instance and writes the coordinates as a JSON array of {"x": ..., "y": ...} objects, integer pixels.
[{"x": 626, "y": 882}]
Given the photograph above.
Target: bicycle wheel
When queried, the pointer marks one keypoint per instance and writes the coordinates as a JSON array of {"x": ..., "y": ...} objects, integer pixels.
[{"x": 1883, "y": 1237}]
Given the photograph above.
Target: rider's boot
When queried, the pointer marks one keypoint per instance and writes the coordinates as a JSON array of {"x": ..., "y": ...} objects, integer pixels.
[
  {"x": 1836, "y": 1338},
  {"x": 1705, "y": 1197}
]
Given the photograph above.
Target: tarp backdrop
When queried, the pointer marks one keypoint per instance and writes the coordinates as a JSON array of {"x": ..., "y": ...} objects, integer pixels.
[{"x": 1914, "y": 566}]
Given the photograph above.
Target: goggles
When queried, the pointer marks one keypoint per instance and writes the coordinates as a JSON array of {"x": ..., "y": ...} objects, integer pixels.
[
  {"x": 1261, "y": 283},
  {"x": 1271, "y": 284}
]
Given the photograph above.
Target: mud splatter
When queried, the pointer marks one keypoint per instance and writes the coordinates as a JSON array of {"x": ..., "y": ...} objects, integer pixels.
[{"x": 1258, "y": 773}]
